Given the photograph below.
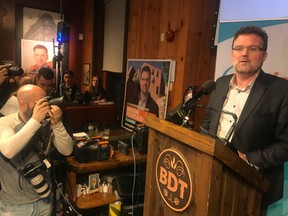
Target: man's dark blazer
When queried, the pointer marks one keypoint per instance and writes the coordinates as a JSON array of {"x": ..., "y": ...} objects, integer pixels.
[
  {"x": 262, "y": 128},
  {"x": 151, "y": 105}
]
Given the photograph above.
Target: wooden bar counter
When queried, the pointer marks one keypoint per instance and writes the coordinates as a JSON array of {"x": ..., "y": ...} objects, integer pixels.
[{"x": 76, "y": 116}]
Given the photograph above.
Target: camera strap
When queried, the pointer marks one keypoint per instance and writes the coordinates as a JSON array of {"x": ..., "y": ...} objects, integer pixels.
[
  {"x": 10, "y": 162},
  {"x": 18, "y": 162},
  {"x": 42, "y": 139}
]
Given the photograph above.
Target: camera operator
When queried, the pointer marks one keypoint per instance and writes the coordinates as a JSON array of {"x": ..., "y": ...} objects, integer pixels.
[
  {"x": 26, "y": 141},
  {"x": 8, "y": 84}
]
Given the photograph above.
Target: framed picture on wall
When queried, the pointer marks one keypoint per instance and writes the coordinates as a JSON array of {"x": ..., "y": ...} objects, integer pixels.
[{"x": 86, "y": 74}]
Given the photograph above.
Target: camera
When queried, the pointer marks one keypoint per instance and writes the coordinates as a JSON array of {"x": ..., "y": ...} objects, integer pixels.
[
  {"x": 14, "y": 70},
  {"x": 58, "y": 101},
  {"x": 33, "y": 172}
]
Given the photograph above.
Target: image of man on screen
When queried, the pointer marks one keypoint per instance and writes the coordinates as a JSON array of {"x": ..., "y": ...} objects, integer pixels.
[{"x": 144, "y": 100}]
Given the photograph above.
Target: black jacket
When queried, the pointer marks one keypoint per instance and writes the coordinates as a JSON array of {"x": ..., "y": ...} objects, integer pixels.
[
  {"x": 151, "y": 105},
  {"x": 262, "y": 128}
]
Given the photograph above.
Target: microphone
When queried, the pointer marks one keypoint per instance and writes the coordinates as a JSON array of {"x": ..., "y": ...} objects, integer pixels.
[
  {"x": 183, "y": 110},
  {"x": 231, "y": 129}
]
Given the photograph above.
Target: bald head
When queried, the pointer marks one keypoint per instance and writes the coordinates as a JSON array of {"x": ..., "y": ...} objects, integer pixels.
[
  {"x": 30, "y": 93},
  {"x": 27, "y": 97}
]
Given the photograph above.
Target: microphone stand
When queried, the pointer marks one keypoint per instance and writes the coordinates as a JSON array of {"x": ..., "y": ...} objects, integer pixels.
[
  {"x": 231, "y": 129},
  {"x": 186, "y": 118},
  {"x": 57, "y": 64}
]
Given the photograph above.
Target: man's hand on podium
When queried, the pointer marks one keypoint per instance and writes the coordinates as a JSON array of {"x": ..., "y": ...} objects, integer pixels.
[{"x": 243, "y": 157}]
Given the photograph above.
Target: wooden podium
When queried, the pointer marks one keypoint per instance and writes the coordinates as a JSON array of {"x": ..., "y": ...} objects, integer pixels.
[{"x": 222, "y": 183}]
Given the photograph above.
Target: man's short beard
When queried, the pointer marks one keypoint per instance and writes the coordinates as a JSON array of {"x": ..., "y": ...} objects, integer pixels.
[
  {"x": 250, "y": 72},
  {"x": 28, "y": 114}
]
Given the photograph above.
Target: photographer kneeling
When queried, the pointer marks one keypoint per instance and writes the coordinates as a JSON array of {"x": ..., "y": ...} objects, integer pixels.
[{"x": 26, "y": 140}]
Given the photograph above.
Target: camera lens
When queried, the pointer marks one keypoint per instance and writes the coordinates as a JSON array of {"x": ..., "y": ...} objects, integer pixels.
[
  {"x": 33, "y": 172},
  {"x": 60, "y": 101},
  {"x": 40, "y": 186}
]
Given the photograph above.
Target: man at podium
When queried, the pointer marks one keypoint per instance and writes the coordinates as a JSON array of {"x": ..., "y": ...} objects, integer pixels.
[{"x": 260, "y": 101}]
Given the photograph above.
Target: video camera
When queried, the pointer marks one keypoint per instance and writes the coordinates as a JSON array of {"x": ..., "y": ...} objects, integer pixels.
[{"x": 14, "y": 70}]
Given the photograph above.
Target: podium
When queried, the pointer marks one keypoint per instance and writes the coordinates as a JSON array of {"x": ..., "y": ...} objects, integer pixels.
[{"x": 220, "y": 182}]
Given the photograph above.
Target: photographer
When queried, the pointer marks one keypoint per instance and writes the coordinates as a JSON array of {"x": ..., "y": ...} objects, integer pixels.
[
  {"x": 46, "y": 80},
  {"x": 26, "y": 141},
  {"x": 8, "y": 83}
]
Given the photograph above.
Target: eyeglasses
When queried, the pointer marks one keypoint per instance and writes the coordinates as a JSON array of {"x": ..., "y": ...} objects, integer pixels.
[{"x": 251, "y": 49}]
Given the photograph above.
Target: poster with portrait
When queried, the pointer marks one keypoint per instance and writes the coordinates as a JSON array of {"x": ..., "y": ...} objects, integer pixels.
[
  {"x": 39, "y": 27},
  {"x": 36, "y": 54},
  {"x": 36, "y": 28},
  {"x": 146, "y": 90}
]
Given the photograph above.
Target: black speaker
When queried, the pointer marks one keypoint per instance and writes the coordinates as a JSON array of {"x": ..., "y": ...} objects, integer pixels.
[
  {"x": 141, "y": 138},
  {"x": 63, "y": 31}
]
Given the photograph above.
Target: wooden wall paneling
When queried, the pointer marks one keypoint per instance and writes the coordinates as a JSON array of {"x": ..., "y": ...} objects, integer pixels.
[
  {"x": 195, "y": 35},
  {"x": 164, "y": 46},
  {"x": 133, "y": 28},
  {"x": 87, "y": 50},
  {"x": 173, "y": 21},
  {"x": 98, "y": 38},
  {"x": 148, "y": 38},
  {"x": 7, "y": 25},
  {"x": 139, "y": 27},
  {"x": 155, "y": 28},
  {"x": 183, "y": 38},
  {"x": 204, "y": 67},
  {"x": 164, "y": 16},
  {"x": 191, "y": 47},
  {"x": 140, "y": 31},
  {"x": 207, "y": 56}
]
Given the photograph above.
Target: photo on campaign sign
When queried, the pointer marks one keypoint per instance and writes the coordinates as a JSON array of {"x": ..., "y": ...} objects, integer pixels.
[{"x": 146, "y": 90}]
